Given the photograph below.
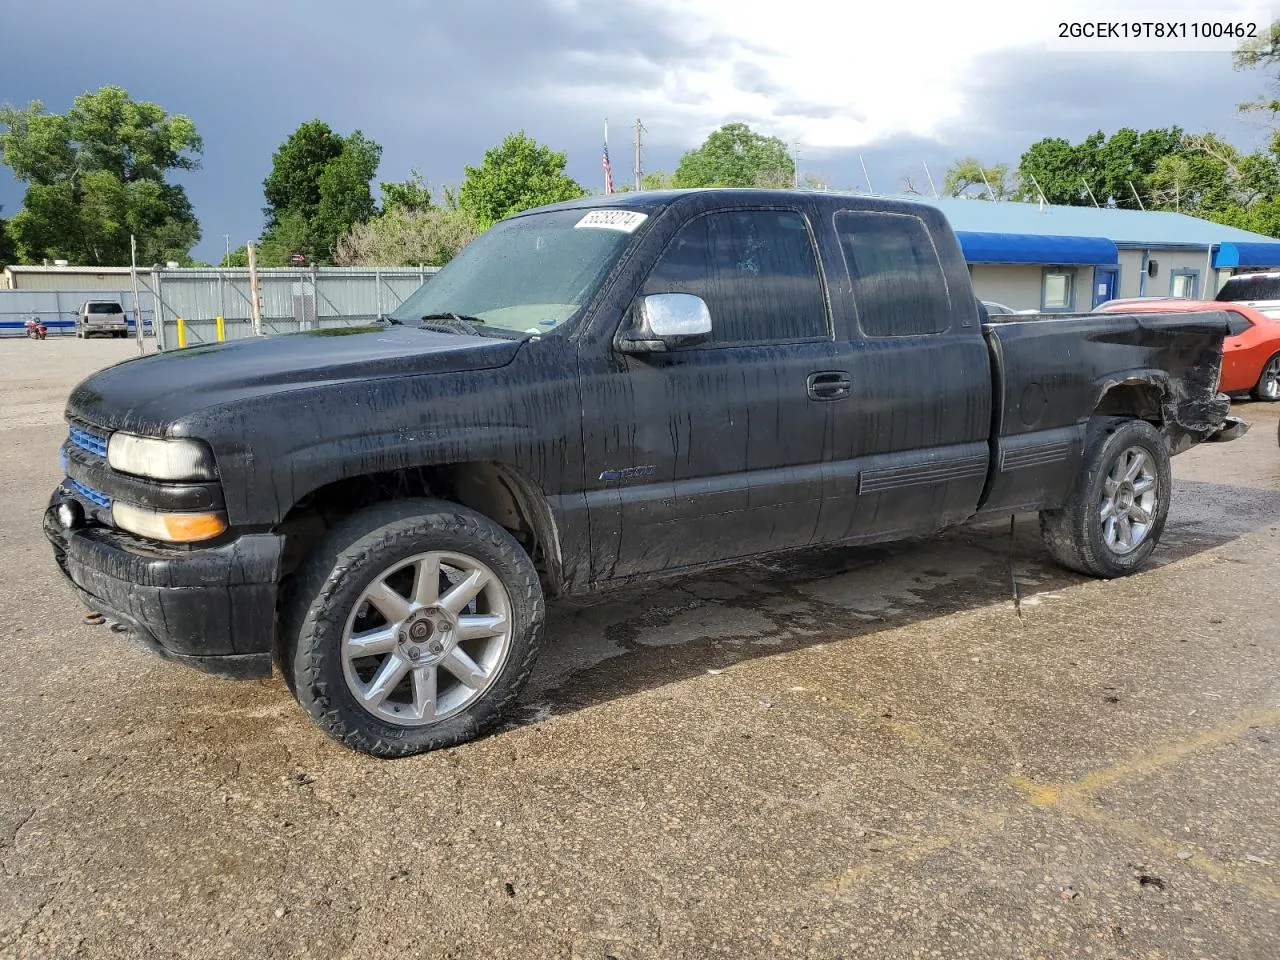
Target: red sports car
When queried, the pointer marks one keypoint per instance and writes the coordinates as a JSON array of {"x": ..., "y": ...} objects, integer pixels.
[{"x": 1250, "y": 353}]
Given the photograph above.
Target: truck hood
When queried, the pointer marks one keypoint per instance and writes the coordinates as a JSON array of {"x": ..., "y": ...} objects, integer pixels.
[{"x": 147, "y": 394}]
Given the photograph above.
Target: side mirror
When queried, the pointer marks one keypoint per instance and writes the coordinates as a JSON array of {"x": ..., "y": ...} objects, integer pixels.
[{"x": 664, "y": 321}]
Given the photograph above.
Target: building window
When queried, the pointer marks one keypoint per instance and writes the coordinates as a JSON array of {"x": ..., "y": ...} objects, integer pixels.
[
  {"x": 1184, "y": 283},
  {"x": 1058, "y": 289}
]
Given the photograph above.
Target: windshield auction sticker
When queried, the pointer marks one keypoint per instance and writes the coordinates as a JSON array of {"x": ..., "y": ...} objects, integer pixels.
[{"x": 624, "y": 220}]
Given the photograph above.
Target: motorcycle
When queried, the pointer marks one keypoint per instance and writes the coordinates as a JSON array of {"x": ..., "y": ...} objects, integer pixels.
[{"x": 36, "y": 330}]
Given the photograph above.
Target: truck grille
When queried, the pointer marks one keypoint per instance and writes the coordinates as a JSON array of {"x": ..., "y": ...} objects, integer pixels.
[
  {"x": 89, "y": 441},
  {"x": 96, "y": 497}
]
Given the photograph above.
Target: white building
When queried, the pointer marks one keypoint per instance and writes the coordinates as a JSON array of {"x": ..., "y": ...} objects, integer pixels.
[{"x": 1070, "y": 259}]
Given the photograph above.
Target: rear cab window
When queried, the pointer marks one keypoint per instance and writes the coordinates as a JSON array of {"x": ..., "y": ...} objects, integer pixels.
[
  {"x": 103, "y": 307},
  {"x": 757, "y": 271},
  {"x": 899, "y": 288}
]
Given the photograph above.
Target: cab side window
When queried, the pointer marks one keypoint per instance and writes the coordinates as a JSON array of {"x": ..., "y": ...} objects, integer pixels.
[
  {"x": 899, "y": 288},
  {"x": 756, "y": 270}
]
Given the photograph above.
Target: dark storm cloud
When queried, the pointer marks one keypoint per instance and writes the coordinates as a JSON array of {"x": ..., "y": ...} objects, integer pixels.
[
  {"x": 439, "y": 83},
  {"x": 1019, "y": 96}
]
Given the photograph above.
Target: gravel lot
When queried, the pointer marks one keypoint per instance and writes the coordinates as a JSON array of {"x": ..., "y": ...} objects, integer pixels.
[{"x": 857, "y": 753}]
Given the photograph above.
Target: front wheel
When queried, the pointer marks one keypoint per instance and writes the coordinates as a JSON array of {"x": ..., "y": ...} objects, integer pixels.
[
  {"x": 1268, "y": 385},
  {"x": 413, "y": 626},
  {"x": 1116, "y": 510}
]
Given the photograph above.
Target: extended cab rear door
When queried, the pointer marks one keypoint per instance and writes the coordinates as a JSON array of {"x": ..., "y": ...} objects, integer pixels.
[{"x": 910, "y": 446}]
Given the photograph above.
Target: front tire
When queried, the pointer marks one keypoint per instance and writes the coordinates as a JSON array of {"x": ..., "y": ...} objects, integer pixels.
[
  {"x": 1268, "y": 385},
  {"x": 1116, "y": 510},
  {"x": 413, "y": 626}
]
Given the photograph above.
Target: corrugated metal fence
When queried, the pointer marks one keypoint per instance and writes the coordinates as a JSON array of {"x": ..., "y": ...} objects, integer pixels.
[
  {"x": 58, "y": 308},
  {"x": 294, "y": 299}
]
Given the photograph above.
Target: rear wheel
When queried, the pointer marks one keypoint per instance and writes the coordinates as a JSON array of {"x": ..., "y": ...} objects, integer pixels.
[
  {"x": 1268, "y": 386},
  {"x": 413, "y": 626},
  {"x": 1114, "y": 516}
]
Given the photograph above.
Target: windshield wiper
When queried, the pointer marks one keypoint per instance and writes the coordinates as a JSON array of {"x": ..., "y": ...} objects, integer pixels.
[{"x": 458, "y": 323}]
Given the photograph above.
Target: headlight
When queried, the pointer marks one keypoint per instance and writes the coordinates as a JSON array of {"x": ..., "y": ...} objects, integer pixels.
[
  {"x": 160, "y": 459},
  {"x": 171, "y": 527}
]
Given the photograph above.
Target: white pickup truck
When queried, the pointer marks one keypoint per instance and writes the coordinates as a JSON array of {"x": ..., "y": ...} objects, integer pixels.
[{"x": 1258, "y": 290}]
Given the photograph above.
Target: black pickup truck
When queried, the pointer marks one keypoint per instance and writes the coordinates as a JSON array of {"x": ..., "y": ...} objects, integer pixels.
[{"x": 591, "y": 393}]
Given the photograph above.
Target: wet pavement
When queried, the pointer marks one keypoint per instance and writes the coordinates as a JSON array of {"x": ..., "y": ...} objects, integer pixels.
[{"x": 854, "y": 753}]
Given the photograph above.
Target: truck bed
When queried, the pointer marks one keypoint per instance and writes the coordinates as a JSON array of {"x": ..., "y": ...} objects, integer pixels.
[{"x": 1051, "y": 372}]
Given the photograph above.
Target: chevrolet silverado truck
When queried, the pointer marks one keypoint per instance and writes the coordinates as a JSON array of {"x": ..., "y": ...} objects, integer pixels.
[{"x": 592, "y": 393}]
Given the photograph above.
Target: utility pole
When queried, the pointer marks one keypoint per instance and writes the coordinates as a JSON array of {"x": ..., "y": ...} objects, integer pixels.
[
  {"x": 930, "y": 176},
  {"x": 639, "y": 177},
  {"x": 255, "y": 298},
  {"x": 1091, "y": 196},
  {"x": 227, "y": 237},
  {"x": 1135, "y": 195},
  {"x": 795, "y": 165},
  {"x": 133, "y": 273}
]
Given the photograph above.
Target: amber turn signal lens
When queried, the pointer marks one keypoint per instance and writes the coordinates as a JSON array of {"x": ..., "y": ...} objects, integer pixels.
[{"x": 170, "y": 527}]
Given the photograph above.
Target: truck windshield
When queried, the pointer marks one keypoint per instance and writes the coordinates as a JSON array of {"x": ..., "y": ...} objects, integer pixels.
[
  {"x": 529, "y": 274},
  {"x": 1250, "y": 288}
]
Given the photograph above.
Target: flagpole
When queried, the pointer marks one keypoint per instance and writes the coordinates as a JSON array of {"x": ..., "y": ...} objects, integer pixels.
[{"x": 606, "y": 153}]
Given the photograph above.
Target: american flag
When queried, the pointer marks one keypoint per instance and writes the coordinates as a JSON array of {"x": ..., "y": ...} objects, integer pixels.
[{"x": 608, "y": 170}]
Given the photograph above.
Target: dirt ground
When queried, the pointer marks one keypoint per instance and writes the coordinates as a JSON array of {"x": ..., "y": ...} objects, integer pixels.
[{"x": 856, "y": 753}]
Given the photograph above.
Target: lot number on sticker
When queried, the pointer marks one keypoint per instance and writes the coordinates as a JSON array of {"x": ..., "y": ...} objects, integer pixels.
[{"x": 624, "y": 220}]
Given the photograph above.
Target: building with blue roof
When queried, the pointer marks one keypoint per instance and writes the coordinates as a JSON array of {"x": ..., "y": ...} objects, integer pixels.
[{"x": 1055, "y": 258}]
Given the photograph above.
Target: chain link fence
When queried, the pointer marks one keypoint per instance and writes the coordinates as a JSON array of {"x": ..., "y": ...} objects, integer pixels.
[
  {"x": 207, "y": 305},
  {"x": 58, "y": 309}
]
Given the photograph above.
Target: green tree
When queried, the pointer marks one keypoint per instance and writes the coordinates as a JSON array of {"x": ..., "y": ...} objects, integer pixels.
[
  {"x": 1262, "y": 53},
  {"x": 345, "y": 199},
  {"x": 1099, "y": 167},
  {"x": 8, "y": 252},
  {"x": 969, "y": 176},
  {"x": 291, "y": 234},
  {"x": 516, "y": 175},
  {"x": 411, "y": 194},
  {"x": 296, "y": 167},
  {"x": 317, "y": 190},
  {"x": 407, "y": 237},
  {"x": 658, "y": 180},
  {"x": 98, "y": 173},
  {"x": 239, "y": 257},
  {"x": 736, "y": 156}
]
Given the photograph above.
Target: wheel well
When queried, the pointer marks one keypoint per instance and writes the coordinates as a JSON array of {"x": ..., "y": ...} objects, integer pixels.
[
  {"x": 492, "y": 489},
  {"x": 1133, "y": 399}
]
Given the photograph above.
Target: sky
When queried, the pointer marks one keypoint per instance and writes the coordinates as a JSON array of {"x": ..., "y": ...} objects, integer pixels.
[{"x": 893, "y": 86}]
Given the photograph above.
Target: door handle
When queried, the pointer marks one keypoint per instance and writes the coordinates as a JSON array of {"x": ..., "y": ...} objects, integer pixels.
[{"x": 829, "y": 385}]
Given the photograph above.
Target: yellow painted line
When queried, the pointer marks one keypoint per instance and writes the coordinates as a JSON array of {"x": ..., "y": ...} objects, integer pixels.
[
  {"x": 908, "y": 853},
  {"x": 1074, "y": 799},
  {"x": 1144, "y": 764}
]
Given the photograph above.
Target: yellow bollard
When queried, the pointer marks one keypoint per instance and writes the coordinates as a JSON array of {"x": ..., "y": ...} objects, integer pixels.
[
  {"x": 222, "y": 330},
  {"x": 182, "y": 333}
]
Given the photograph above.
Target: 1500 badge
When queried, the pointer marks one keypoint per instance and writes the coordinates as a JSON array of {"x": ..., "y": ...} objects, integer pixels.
[{"x": 629, "y": 473}]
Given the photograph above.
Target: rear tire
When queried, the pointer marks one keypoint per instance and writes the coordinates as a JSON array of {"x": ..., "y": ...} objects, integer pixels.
[
  {"x": 1116, "y": 510},
  {"x": 1268, "y": 385},
  {"x": 376, "y": 621}
]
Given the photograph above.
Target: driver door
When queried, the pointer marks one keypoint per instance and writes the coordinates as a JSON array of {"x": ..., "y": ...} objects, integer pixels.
[{"x": 714, "y": 451}]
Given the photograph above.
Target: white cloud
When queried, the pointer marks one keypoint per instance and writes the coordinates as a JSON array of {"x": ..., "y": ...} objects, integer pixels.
[{"x": 878, "y": 70}]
